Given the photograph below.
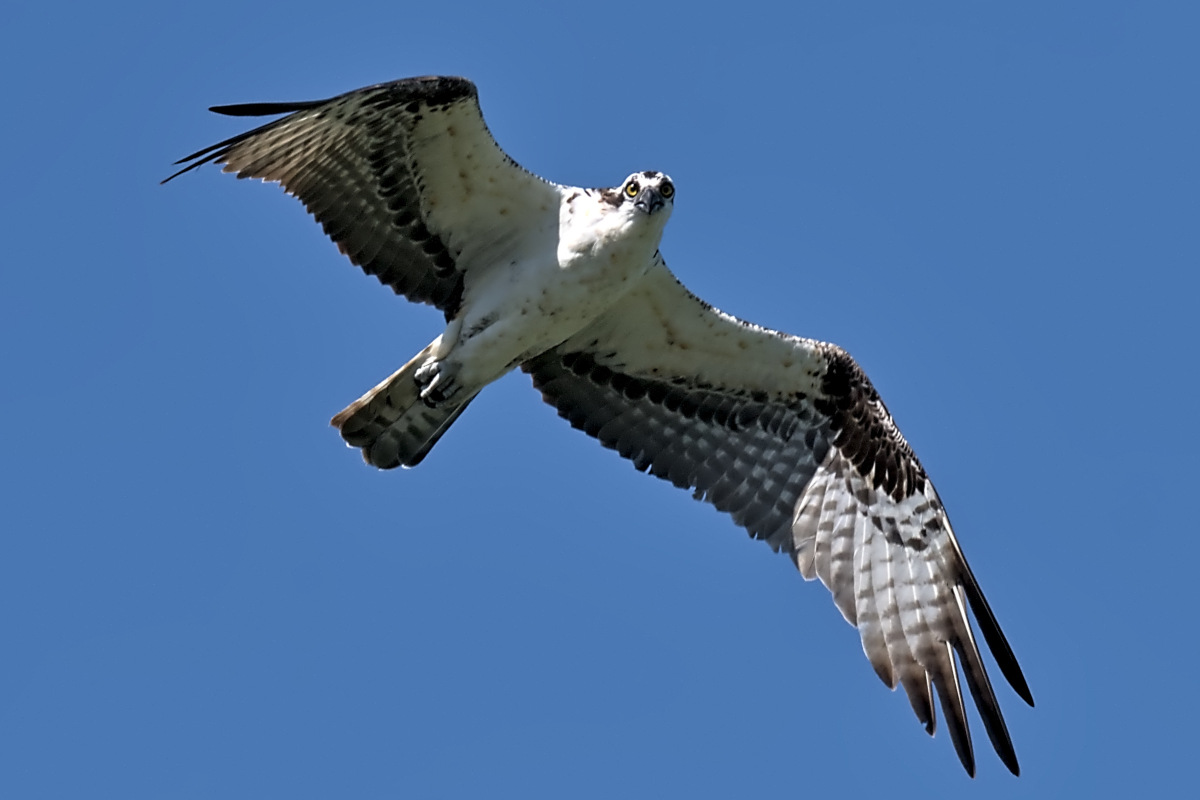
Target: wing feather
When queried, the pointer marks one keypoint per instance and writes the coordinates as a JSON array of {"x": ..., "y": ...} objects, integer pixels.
[
  {"x": 381, "y": 169},
  {"x": 789, "y": 438},
  {"x": 867, "y": 611},
  {"x": 841, "y": 574}
]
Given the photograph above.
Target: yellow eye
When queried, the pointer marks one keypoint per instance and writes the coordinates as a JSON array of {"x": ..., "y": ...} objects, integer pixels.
[
  {"x": 632, "y": 188},
  {"x": 667, "y": 189}
]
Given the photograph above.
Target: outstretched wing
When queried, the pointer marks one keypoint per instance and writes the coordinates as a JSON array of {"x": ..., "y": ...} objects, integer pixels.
[
  {"x": 404, "y": 177},
  {"x": 788, "y": 436}
]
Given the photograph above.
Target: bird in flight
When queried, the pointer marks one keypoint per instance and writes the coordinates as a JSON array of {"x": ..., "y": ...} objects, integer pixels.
[{"x": 785, "y": 434}]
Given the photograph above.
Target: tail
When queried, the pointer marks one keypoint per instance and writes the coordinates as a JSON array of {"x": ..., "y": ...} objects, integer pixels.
[{"x": 392, "y": 425}]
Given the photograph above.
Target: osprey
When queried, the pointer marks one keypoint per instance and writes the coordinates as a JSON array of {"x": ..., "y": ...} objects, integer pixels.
[{"x": 784, "y": 434}]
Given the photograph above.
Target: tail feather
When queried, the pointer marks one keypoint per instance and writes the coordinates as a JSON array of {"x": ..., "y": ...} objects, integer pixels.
[{"x": 392, "y": 425}]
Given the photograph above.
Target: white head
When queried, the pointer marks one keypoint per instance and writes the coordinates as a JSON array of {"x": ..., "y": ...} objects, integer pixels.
[{"x": 650, "y": 193}]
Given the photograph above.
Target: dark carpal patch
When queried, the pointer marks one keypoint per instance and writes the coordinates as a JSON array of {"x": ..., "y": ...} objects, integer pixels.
[{"x": 864, "y": 430}]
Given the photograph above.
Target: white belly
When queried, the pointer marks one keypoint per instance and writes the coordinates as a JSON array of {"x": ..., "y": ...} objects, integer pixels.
[{"x": 515, "y": 310}]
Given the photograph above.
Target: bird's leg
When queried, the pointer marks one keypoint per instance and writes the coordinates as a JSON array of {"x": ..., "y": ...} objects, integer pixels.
[
  {"x": 475, "y": 350},
  {"x": 437, "y": 379}
]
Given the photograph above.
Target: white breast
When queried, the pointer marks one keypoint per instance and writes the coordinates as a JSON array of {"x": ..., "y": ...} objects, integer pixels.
[{"x": 550, "y": 285}]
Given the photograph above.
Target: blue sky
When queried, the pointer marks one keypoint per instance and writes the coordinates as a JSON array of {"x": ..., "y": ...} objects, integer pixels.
[{"x": 203, "y": 593}]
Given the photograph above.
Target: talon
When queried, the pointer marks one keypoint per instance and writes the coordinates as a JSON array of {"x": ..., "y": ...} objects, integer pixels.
[{"x": 436, "y": 379}]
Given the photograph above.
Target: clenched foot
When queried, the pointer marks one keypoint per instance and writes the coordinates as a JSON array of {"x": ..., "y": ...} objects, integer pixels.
[{"x": 438, "y": 382}]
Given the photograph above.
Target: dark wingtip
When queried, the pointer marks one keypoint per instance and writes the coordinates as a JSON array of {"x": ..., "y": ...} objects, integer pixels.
[
  {"x": 990, "y": 628},
  {"x": 264, "y": 109},
  {"x": 209, "y": 156},
  {"x": 219, "y": 150},
  {"x": 995, "y": 638},
  {"x": 175, "y": 175}
]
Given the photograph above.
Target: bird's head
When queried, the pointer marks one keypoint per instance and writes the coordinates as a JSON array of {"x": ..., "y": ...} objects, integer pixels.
[{"x": 651, "y": 193}]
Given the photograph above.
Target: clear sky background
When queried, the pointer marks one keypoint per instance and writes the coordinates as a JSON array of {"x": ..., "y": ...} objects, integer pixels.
[{"x": 203, "y": 593}]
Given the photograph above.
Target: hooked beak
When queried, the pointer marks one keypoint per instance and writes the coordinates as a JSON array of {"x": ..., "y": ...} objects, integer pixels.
[{"x": 649, "y": 200}]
